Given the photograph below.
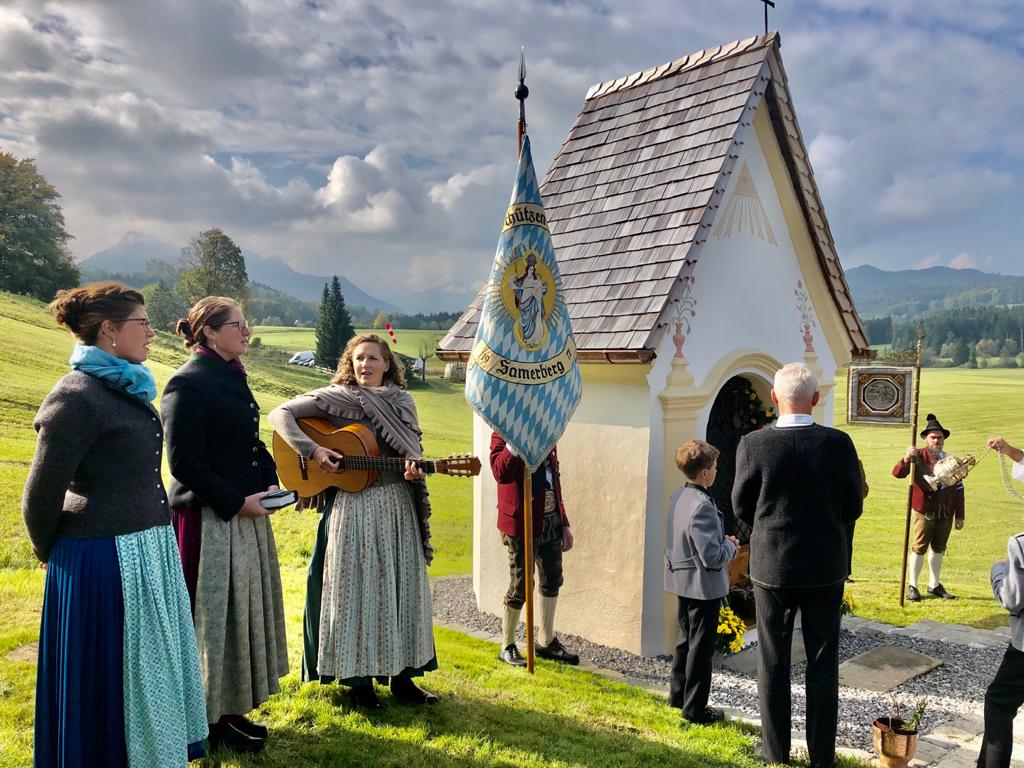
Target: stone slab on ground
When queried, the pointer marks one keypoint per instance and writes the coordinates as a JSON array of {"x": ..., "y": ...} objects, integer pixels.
[
  {"x": 28, "y": 653},
  {"x": 745, "y": 662},
  {"x": 929, "y": 752},
  {"x": 884, "y": 668}
]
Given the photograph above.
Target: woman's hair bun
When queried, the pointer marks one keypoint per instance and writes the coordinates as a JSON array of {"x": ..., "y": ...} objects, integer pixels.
[
  {"x": 67, "y": 308},
  {"x": 184, "y": 329}
]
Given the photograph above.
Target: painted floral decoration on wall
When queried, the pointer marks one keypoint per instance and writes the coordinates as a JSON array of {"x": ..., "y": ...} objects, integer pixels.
[
  {"x": 803, "y": 305},
  {"x": 685, "y": 310}
]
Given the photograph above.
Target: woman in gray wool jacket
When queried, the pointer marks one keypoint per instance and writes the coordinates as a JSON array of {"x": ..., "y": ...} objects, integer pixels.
[{"x": 117, "y": 682}]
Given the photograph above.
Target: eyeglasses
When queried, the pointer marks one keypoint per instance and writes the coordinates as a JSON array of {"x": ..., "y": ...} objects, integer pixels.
[
  {"x": 143, "y": 321},
  {"x": 241, "y": 325}
]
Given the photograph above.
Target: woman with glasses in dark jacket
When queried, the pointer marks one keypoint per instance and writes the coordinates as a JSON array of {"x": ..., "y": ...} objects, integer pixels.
[
  {"x": 118, "y": 677},
  {"x": 220, "y": 471}
]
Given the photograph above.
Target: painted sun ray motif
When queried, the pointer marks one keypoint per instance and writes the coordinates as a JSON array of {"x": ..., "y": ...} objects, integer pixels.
[{"x": 744, "y": 212}]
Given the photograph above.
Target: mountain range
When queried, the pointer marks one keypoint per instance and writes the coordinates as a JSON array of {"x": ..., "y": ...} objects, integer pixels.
[
  {"x": 910, "y": 293},
  {"x": 134, "y": 250},
  {"x": 876, "y": 292}
]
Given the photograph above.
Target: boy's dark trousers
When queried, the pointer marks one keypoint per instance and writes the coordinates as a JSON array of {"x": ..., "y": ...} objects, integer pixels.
[
  {"x": 1003, "y": 698},
  {"x": 691, "y": 666}
]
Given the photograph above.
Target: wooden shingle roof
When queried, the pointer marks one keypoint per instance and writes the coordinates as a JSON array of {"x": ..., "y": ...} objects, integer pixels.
[{"x": 631, "y": 195}]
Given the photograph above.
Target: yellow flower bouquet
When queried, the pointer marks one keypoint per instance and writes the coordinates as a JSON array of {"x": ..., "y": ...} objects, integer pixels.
[
  {"x": 729, "y": 639},
  {"x": 849, "y": 605}
]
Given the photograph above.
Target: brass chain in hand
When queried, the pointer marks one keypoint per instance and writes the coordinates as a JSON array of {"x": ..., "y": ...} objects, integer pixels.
[{"x": 1006, "y": 478}]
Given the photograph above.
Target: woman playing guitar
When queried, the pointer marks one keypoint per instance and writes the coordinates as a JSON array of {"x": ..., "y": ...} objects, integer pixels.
[{"x": 368, "y": 611}]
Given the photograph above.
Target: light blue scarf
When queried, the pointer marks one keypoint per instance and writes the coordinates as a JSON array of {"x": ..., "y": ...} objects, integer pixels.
[{"x": 133, "y": 378}]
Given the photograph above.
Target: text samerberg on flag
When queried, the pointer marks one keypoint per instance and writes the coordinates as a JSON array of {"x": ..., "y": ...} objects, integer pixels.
[{"x": 523, "y": 377}]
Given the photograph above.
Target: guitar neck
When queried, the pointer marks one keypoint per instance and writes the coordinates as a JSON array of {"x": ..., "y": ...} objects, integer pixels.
[{"x": 393, "y": 463}]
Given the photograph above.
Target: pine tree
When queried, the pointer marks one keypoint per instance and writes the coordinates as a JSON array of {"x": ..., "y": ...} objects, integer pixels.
[
  {"x": 326, "y": 356},
  {"x": 342, "y": 329}
]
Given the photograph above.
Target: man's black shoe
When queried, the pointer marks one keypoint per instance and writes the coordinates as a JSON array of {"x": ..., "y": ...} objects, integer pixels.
[
  {"x": 709, "y": 716},
  {"x": 364, "y": 696},
  {"x": 227, "y": 736},
  {"x": 404, "y": 689},
  {"x": 940, "y": 591},
  {"x": 510, "y": 655},
  {"x": 555, "y": 651},
  {"x": 913, "y": 595}
]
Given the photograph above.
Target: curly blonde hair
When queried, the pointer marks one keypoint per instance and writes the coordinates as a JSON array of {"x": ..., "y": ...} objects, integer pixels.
[{"x": 395, "y": 374}]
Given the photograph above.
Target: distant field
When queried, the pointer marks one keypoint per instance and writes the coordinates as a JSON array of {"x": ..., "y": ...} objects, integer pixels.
[{"x": 301, "y": 339}]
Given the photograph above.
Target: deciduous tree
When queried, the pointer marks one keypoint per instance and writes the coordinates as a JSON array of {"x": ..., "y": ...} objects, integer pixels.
[
  {"x": 212, "y": 265},
  {"x": 34, "y": 258}
]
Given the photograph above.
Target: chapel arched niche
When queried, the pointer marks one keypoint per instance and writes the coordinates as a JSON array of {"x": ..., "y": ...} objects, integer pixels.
[{"x": 741, "y": 406}]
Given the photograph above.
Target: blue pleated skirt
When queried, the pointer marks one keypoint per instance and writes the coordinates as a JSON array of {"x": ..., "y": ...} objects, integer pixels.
[{"x": 82, "y": 696}]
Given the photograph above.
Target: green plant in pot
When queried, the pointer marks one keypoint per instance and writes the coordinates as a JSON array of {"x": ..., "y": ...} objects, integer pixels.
[{"x": 895, "y": 739}]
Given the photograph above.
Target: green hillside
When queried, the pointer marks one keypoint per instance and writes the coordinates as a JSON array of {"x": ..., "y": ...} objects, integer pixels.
[{"x": 908, "y": 293}]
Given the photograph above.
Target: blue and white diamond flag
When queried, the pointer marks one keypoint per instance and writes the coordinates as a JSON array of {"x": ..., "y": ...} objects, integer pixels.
[{"x": 523, "y": 378}]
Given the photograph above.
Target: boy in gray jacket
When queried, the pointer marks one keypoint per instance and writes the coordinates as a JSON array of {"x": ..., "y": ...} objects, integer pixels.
[
  {"x": 1006, "y": 692},
  {"x": 697, "y": 552}
]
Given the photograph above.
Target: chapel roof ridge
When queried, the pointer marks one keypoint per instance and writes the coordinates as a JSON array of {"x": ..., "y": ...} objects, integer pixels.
[{"x": 691, "y": 61}]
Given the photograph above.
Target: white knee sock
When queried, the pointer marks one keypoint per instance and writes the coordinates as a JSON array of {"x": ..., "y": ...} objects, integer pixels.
[
  {"x": 509, "y": 623},
  {"x": 916, "y": 566},
  {"x": 934, "y": 568},
  {"x": 547, "y": 619}
]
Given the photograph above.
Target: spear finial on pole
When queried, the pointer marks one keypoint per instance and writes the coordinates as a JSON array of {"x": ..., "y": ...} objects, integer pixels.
[{"x": 522, "y": 92}]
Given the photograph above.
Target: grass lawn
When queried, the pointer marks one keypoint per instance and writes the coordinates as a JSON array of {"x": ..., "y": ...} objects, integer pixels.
[
  {"x": 299, "y": 339},
  {"x": 490, "y": 715},
  {"x": 972, "y": 405}
]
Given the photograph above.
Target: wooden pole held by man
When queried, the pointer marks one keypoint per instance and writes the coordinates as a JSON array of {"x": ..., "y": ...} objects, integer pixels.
[{"x": 913, "y": 465}]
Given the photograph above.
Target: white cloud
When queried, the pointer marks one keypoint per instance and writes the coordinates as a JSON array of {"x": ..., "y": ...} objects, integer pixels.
[
  {"x": 935, "y": 197},
  {"x": 450, "y": 192},
  {"x": 964, "y": 261}
]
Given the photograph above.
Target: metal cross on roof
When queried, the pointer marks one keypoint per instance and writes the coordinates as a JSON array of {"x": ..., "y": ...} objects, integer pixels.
[{"x": 766, "y": 4}]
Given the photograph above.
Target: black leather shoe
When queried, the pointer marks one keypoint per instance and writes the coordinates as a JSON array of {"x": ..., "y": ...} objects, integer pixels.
[
  {"x": 364, "y": 696},
  {"x": 913, "y": 595},
  {"x": 249, "y": 727},
  {"x": 404, "y": 689},
  {"x": 555, "y": 651},
  {"x": 510, "y": 655},
  {"x": 709, "y": 716},
  {"x": 940, "y": 591},
  {"x": 227, "y": 736}
]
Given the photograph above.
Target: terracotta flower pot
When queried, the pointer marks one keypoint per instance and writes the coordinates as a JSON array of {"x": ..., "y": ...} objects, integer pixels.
[{"x": 895, "y": 747}]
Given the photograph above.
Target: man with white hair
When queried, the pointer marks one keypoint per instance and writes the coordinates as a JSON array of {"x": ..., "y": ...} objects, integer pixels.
[{"x": 798, "y": 487}]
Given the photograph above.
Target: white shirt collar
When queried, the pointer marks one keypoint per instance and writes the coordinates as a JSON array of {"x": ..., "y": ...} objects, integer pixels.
[{"x": 794, "y": 420}]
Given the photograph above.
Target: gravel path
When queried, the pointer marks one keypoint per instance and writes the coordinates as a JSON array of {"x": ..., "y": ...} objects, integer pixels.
[{"x": 954, "y": 689}]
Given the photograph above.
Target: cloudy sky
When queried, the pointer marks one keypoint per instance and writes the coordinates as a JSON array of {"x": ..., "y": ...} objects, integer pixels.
[{"x": 376, "y": 139}]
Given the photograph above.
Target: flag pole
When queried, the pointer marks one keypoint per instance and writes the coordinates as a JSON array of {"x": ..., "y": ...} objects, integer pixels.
[
  {"x": 913, "y": 464},
  {"x": 521, "y": 94}
]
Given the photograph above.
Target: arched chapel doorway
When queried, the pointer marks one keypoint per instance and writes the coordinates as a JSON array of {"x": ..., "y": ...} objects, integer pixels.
[{"x": 741, "y": 406}]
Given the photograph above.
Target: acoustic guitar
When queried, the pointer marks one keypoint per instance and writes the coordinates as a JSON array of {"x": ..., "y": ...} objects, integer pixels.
[{"x": 362, "y": 462}]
